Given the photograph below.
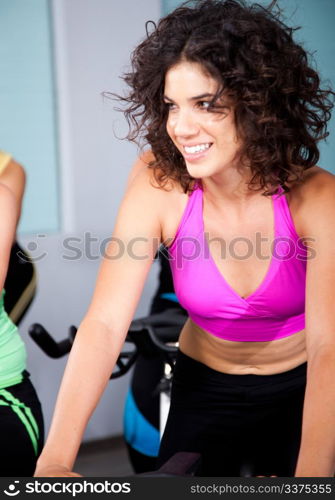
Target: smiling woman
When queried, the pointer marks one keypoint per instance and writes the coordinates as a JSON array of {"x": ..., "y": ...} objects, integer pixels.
[
  {"x": 200, "y": 128},
  {"x": 233, "y": 112}
]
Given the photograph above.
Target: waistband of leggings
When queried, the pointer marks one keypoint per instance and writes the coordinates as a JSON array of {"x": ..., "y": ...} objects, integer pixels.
[{"x": 185, "y": 362}]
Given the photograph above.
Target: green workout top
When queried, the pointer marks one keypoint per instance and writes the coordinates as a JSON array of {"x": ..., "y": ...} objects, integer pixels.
[{"x": 12, "y": 350}]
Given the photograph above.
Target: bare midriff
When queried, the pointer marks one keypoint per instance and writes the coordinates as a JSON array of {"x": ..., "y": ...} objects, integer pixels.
[{"x": 241, "y": 358}]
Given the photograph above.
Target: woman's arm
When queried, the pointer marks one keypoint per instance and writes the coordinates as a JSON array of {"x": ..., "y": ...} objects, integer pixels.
[
  {"x": 13, "y": 176},
  {"x": 12, "y": 183},
  {"x": 101, "y": 335},
  {"x": 317, "y": 451},
  {"x": 9, "y": 214}
]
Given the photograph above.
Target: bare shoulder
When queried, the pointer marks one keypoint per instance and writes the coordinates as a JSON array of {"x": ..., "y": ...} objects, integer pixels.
[
  {"x": 173, "y": 201},
  {"x": 8, "y": 201},
  {"x": 14, "y": 178},
  {"x": 141, "y": 198},
  {"x": 168, "y": 201},
  {"x": 313, "y": 200},
  {"x": 314, "y": 179},
  {"x": 145, "y": 183},
  {"x": 13, "y": 169}
]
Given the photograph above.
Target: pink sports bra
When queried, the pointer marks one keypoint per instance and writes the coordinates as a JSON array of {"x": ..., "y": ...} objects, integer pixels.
[{"x": 273, "y": 311}]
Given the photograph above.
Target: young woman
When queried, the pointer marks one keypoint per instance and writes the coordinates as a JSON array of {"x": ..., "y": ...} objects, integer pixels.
[
  {"x": 233, "y": 112},
  {"x": 21, "y": 420}
]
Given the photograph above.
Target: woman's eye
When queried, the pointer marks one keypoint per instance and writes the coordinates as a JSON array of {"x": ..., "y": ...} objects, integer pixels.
[
  {"x": 169, "y": 105},
  {"x": 204, "y": 104}
]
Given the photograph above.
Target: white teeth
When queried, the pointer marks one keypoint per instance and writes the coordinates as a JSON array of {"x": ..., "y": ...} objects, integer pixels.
[{"x": 196, "y": 149}]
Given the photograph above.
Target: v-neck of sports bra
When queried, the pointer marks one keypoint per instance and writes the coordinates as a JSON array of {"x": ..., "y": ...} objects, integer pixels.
[{"x": 265, "y": 278}]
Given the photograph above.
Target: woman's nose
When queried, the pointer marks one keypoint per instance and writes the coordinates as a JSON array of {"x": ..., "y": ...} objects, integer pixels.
[{"x": 184, "y": 124}]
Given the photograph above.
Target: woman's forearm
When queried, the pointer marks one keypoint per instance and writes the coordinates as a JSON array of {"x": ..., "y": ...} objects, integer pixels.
[
  {"x": 317, "y": 450},
  {"x": 89, "y": 367}
]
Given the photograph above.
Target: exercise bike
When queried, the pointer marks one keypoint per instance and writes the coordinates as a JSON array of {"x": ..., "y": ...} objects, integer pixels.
[{"x": 150, "y": 336}]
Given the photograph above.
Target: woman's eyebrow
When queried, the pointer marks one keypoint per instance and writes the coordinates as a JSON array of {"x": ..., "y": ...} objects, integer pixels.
[
  {"x": 194, "y": 98},
  {"x": 201, "y": 96}
]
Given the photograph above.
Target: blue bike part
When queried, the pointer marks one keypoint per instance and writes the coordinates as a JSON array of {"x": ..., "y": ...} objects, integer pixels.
[
  {"x": 138, "y": 432},
  {"x": 169, "y": 296}
]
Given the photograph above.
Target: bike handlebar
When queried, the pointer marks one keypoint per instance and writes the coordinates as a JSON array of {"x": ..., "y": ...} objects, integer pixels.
[
  {"x": 47, "y": 343},
  {"x": 151, "y": 334}
]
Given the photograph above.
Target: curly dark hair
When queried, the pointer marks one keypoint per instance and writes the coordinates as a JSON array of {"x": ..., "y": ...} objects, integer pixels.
[{"x": 280, "y": 110}]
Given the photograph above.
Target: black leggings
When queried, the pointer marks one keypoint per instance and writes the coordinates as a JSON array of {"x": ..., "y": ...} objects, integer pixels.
[
  {"x": 234, "y": 420},
  {"x": 21, "y": 429}
]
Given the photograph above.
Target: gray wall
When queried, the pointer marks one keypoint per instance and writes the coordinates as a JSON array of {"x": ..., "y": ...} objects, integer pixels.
[{"x": 93, "y": 41}]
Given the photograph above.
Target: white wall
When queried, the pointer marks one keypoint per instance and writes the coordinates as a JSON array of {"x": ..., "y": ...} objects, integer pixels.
[{"x": 93, "y": 41}]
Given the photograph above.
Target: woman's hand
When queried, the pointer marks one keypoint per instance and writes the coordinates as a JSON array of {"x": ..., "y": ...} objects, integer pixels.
[{"x": 55, "y": 470}]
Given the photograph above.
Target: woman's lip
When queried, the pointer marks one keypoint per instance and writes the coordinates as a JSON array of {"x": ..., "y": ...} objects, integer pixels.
[{"x": 195, "y": 156}]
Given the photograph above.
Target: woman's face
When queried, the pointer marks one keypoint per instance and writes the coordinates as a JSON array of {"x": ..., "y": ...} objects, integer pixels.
[{"x": 206, "y": 139}]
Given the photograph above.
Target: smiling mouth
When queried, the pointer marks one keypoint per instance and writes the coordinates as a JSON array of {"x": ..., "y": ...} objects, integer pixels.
[{"x": 199, "y": 148}]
